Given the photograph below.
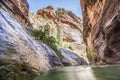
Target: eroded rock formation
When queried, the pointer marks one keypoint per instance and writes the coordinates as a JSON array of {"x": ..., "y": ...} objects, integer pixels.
[
  {"x": 19, "y": 8},
  {"x": 48, "y": 12},
  {"x": 64, "y": 25},
  {"x": 21, "y": 56},
  {"x": 102, "y": 28}
]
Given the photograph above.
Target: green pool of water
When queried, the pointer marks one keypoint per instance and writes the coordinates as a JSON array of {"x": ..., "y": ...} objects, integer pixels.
[{"x": 82, "y": 73}]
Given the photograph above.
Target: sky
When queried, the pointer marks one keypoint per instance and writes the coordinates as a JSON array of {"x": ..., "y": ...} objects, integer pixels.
[{"x": 72, "y": 5}]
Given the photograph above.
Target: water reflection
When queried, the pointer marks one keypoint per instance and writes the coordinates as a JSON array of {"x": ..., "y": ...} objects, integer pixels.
[
  {"x": 82, "y": 73},
  {"x": 107, "y": 73},
  {"x": 69, "y": 73}
]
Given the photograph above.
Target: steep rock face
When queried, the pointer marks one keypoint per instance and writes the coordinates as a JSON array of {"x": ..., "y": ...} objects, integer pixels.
[
  {"x": 64, "y": 25},
  {"x": 22, "y": 5},
  {"x": 48, "y": 12},
  {"x": 19, "y": 8},
  {"x": 102, "y": 28},
  {"x": 21, "y": 57}
]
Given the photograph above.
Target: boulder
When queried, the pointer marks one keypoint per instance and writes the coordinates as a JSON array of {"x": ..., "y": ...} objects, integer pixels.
[{"x": 71, "y": 58}]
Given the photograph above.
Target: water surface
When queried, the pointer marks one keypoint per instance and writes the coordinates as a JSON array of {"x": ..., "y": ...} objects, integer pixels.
[{"x": 82, "y": 73}]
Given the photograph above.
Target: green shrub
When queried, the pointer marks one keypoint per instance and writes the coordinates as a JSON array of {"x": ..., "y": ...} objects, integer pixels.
[
  {"x": 58, "y": 35},
  {"x": 42, "y": 35},
  {"x": 70, "y": 47},
  {"x": 60, "y": 12},
  {"x": 67, "y": 45},
  {"x": 24, "y": 26},
  {"x": 45, "y": 17},
  {"x": 91, "y": 54}
]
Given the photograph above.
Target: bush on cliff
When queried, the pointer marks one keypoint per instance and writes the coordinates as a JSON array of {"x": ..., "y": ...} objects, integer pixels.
[
  {"x": 91, "y": 54},
  {"x": 42, "y": 35}
]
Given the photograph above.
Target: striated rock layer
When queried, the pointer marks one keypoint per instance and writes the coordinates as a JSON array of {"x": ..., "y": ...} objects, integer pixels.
[
  {"x": 102, "y": 28},
  {"x": 19, "y": 8}
]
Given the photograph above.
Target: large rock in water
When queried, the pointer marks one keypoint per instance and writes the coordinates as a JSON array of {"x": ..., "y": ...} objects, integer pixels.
[{"x": 101, "y": 19}]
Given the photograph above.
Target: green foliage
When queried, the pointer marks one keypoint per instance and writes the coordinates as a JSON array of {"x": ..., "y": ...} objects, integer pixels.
[
  {"x": 58, "y": 35},
  {"x": 24, "y": 26},
  {"x": 91, "y": 54},
  {"x": 60, "y": 12},
  {"x": 42, "y": 35},
  {"x": 45, "y": 16},
  {"x": 67, "y": 45},
  {"x": 36, "y": 16},
  {"x": 70, "y": 47}
]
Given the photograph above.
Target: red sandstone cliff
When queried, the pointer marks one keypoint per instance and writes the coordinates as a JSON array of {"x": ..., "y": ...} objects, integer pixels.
[
  {"x": 19, "y": 8},
  {"x": 102, "y": 28},
  {"x": 64, "y": 25}
]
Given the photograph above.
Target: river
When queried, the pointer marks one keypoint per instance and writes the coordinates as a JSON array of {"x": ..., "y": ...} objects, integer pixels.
[{"x": 82, "y": 73}]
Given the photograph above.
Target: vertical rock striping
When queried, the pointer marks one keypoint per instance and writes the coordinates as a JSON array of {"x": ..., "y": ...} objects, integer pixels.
[{"x": 102, "y": 28}]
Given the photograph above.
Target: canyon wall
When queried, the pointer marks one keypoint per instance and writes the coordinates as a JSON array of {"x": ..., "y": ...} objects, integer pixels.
[
  {"x": 64, "y": 25},
  {"x": 102, "y": 29},
  {"x": 21, "y": 56},
  {"x": 19, "y": 8}
]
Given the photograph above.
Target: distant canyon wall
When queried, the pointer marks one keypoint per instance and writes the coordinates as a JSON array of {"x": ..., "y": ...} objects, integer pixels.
[
  {"x": 64, "y": 25},
  {"x": 102, "y": 28}
]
